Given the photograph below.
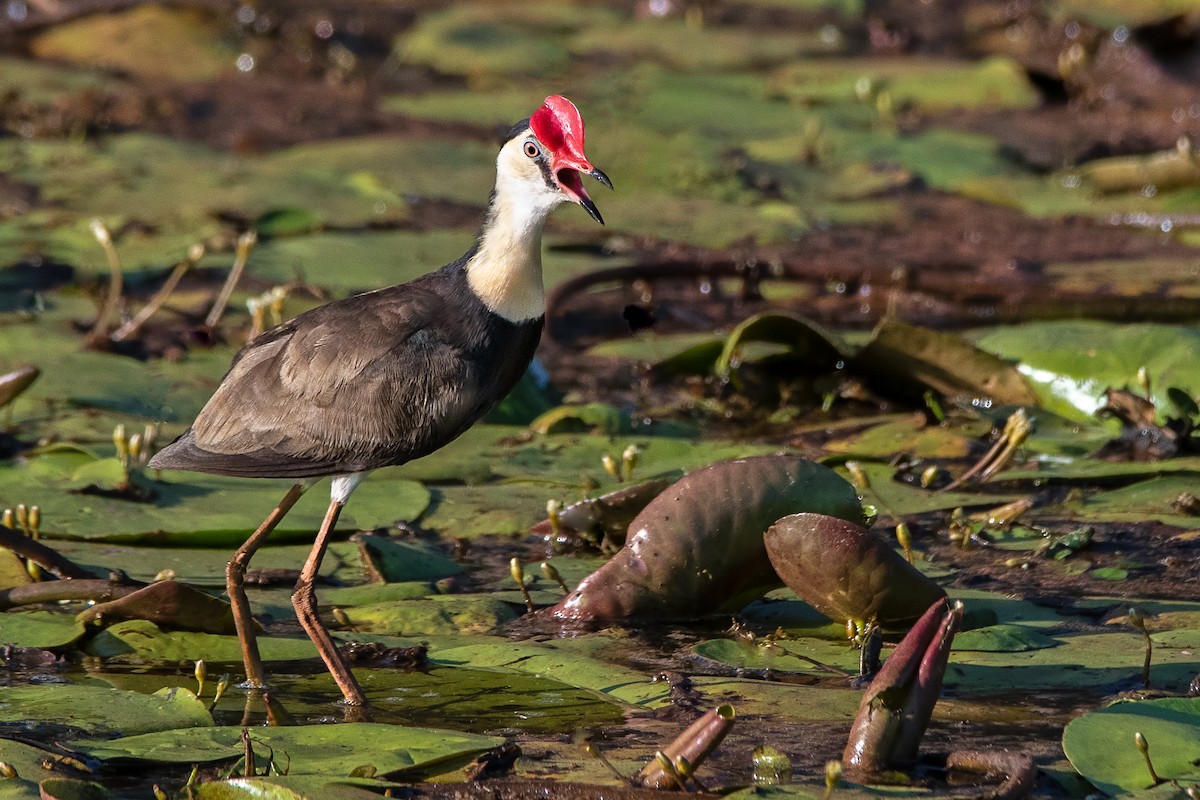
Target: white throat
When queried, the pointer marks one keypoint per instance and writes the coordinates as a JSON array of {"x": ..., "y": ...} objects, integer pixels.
[{"x": 506, "y": 270}]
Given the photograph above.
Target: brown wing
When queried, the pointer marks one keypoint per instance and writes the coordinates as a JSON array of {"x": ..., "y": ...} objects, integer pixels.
[{"x": 353, "y": 385}]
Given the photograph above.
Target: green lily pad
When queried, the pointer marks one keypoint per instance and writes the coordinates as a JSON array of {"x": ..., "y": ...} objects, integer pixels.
[
  {"x": 912, "y": 435},
  {"x": 314, "y": 749},
  {"x": 72, "y": 789},
  {"x": 192, "y": 508},
  {"x": 1100, "y": 744},
  {"x": 104, "y": 710},
  {"x": 895, "y": 499},
  {"x": 143, "y": 641},
  {"x": 558, "y": 661},
  {"x": 1002, "y": 639},
  {"x": 931, "y": 84},
  {"x": 288, "y": 787},
  {"x": 788, "y": 655},
  {"x": 27, "y": 761},
  {"x": 156, "y": 41},
  {"x": 44, "y": 629},
  {"x": 1068, "y": 368},
  {"x": 439, "y": 614},
  {"x": 394, "y": 561}
]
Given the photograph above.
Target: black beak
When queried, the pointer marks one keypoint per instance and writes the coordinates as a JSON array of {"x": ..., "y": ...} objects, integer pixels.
[
  {"x": 600, "y": 176},
  {"x": 587, "y": 203}
]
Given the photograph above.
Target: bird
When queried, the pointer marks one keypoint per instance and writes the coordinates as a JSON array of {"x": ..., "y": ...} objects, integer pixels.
[{"x": 388, "y": 376}]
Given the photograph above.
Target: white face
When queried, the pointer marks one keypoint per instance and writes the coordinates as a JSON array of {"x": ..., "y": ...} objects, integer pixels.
[{"x": 520, "y": 179}]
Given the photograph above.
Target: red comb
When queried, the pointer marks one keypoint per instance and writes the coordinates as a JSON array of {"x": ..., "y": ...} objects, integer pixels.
[{"x": 559, "y": 127}]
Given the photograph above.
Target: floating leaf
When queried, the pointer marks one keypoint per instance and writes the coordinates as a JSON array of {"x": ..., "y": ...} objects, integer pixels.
[
  {"x": 314, "y": 749},
  {"x": 72, "y": 789},
  {"x": 1002, "y": 639},
  {"x": 142, "y": 641},
  {"x": 41, "y": 629},
  {"x": 288, "y": 787},
  {"x": 439, "y": 614},
  {"x": 1100, "y": 743},
  {"x": 1070, "y": 371},
  {"x": 392, "y": 561},
  {"x": 104, "y": 710}
]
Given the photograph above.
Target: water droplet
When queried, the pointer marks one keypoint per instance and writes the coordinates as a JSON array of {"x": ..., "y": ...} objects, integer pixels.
[
  {"x": 17, "y": 11},
  {"x": 246, "y": 14},
  {"x": 323, "y": 29},
  {"x": 1121, "y": 34},
  {"x": 659, "y": 8},
  {"x": 245, "y": 62},
  {"x": 1166, "y": 226}
]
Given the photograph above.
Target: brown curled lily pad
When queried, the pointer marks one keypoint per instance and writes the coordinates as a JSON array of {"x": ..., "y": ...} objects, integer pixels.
[
  {"x": 846, "y": 572},
  {"x": 698, "y": 547}
]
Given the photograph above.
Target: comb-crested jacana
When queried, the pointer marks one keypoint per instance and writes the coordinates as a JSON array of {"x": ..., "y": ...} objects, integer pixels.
[{"x": 388, "y": 376}]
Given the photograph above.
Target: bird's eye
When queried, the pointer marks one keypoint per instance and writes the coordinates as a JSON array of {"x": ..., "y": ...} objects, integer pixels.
[{"x": 531, "y": 149}]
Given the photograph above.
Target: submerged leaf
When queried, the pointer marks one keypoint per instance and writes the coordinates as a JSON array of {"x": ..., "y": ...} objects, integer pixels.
[{"x": 104, "y": 710}]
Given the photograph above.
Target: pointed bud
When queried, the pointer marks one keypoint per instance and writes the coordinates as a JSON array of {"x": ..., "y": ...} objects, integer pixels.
[
  {"x": 9, "y": 518},
  {"x": 929, "y": 476},
  {"x": 553, "y": 574},
  {"x": 629, "y": 460},
  {"x": 23, "y": 518},
  {"x": 610, "y": 466},
  {"x": 833, "y": 776},
  {"x": 904, "y": 537},
  {"x": 35, "y": 521},
  {"x": 100, "y": 231},
  {"x": 121, "y": 442},
  {"x": 7, "y": 770},
  {"x": 201, "y": 673},
  {"x": 858, "y": 477}
]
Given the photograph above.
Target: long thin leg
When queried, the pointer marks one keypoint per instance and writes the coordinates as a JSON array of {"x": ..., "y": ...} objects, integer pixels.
[
  {"x": 304, "y": 600},
  {"x": 235, "y": 577}
]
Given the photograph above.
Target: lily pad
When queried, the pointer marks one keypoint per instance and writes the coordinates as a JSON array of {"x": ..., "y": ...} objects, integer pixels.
[
  {"x": 152, "y": 40},
  {"x": 287, "y": 787},
  {"x": 41, "y": 629},
  {"x": 314, "y": 749},
  {"x": 1002, "y": 639},
  {"x": 439, "y": 614},
  {"x": 104, "y": 710},
  {"x": 141, "y": 641},
  {"x": 392, "y": 561},
  {"x": 560, "y": 662},
  {"x": 1100, "y": 744},
  {"x": 1069, "y": 369}
]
